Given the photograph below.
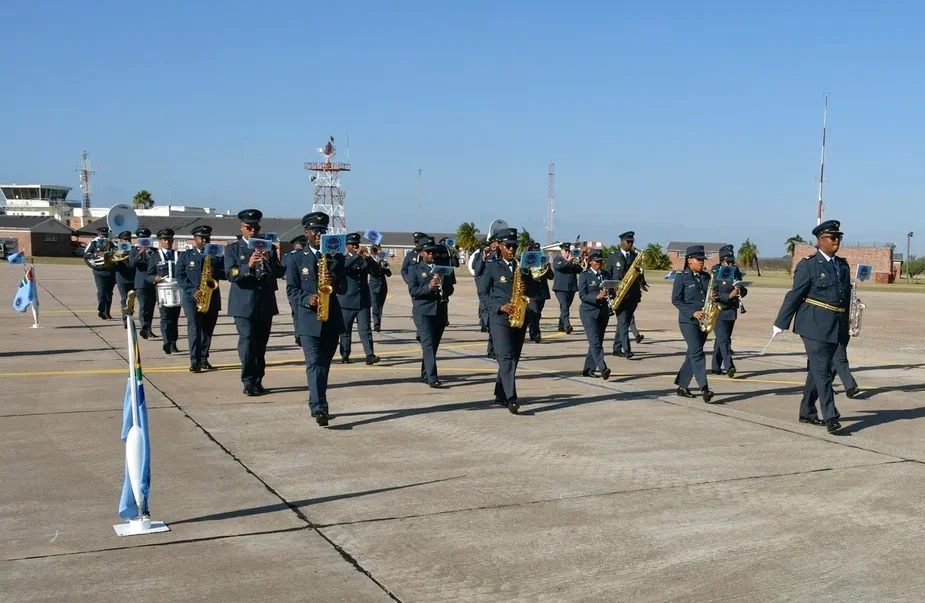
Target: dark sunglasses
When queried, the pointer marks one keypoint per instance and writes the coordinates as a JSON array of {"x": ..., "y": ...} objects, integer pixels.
[
  {"x": 510, "y": 245},
  {"x": 834, "y": 237},
  {"x": 318, "y": 229},
  {"x": 252, "y": 226}
]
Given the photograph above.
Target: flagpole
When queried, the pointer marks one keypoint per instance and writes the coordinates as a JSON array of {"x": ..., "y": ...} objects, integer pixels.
[{"x": 35, "y": 300}]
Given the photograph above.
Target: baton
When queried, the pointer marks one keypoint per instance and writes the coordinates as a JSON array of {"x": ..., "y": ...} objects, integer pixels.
[{"x": 768, "y": 344}]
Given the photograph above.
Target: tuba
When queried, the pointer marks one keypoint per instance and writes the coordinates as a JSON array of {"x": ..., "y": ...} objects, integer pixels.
[
  {"x": 632, "y": 273},
  {"x": 120, "y": 217}
]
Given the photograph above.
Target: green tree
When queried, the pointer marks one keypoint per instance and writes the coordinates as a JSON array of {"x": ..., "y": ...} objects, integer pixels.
[
  {"x": 791, "y": 245},
  {"x": 748, "y": 255},
  {"x": 610, "y": 249},
  {"x": 466, "y": 236},
  {"x": 523, "y": 240},
  {"x": 915, "y": 266},
  {"x": 143, "y": 200},
  {"x": 656, "y": 258}
]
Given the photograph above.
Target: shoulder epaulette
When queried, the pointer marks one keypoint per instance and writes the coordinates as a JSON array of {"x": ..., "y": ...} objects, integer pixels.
[{"x": 809, "y": 257}]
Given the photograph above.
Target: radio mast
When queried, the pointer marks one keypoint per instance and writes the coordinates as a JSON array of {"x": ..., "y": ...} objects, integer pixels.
[
  {"x": 85, "y": 173},
  {"x": 551, "y": 205},
  {"x": 825, "y": 115},
  {"x": 329, "y": 196}
]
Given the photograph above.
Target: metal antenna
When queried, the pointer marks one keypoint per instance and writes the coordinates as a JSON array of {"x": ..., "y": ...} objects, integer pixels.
[
  {"x": 329, "y": 196},
  {"x": 825, "y": 115},
  {"x": 551, "y": 205},
  {"x": 85, "y": 173}
]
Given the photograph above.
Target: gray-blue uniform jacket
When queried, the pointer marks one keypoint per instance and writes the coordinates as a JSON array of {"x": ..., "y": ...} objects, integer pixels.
[
  {"x": 358, "y": 270},
  {"x": 617, "y": 265},
  {"x": 302, "y": 283},
  {"x": 588, "y": 288},
  {"x": 498, "y": 281},
  {"x": 377, "y": 282},
  {"x": 189, "y": 277},
  {"x": 95, "y": 246},
  {"x": 250, "y": 297},
  {"x": 566, "y": 274},
  {"x": 125, "y": 272},
  {"x": 689, "y": 294},
  {"x": 815, "y": 278},
  {"x": 157, "y": 268},
  {"x": 730, "y": 305},
  {"x": 410, "y": 259},
  {"x": 427, "y": 301},
  {"x": 138, "y": 260}
]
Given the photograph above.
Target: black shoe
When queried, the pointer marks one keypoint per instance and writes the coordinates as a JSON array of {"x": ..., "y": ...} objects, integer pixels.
[
  {"x": 108, "y": 316},
  {"x": 619, "y": 354},
  {"x": 832, "y": 425},
  {"x": 639, "y": 338},
  {"x": 537, "y": 339},
  {"x": 435, "y": 385},
  {"x": 493, "y": 356},
  {"x": 195, "y": 368},
  {"x": 174, "y": 348},
  {"x": 628, "y": 355},
  {"x": 372, "y": 359},
  {"x": 260, "y": 389},
  {"x": 812, "y": 421},
  {"x": 101, "y": 315},
  {"x": 206, "y": 366},
  {"x": 685, "y": 393},
  {"x": 853, "y": 392},
  {"x": 501, "y": 402},
  {"x": 166, "y": 347},
  {"x": 588, "y": 374},
  {"x": 345, "y": 360},
  {"x": 605, "y": 374},
  {"x": 513, "y": 406},
  {"x": 250, "y": 390},
  {"x": 568, "y": 330},
  {"x": 708, "y": 396},
  {"x": 417, "y": 338},
  {"x": 377, "y": 328},
  {"x": 298, "y": 340},
  {"x": 143, "y": 333},
  {"x": 423, "y": 378},
  {"x": 716, "y": 372},
  {"x": 484, "y": 330},
  {"x": 561, "y": 329},
  {"x": 321, "y": 418}
]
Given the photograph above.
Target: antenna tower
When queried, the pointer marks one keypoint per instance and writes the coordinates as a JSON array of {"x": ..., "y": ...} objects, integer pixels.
[
  {"x": 329, "y": 196},
  {"x": 85, "y": 173},
  {"x": 551, "y": 205},
  {"x": 825, "y": 115}
]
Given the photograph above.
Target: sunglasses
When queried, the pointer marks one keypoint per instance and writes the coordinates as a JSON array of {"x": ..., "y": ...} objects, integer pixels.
[
  {"x": 833, "y": 237},
  {"x": 510, "y": 245},
  {"x": 318, "y": 229}
]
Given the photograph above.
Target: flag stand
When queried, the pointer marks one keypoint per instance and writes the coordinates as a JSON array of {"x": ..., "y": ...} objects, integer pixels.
[
  {"x": 134, "y": 445},
  {"x": 35, "y": 301}
]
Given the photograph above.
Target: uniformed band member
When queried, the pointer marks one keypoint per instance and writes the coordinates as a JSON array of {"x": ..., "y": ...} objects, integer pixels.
[
  {"x": 617, "y": 264},
  {"x": 379, "y": 288},
  {"x": 105, "y": 279},
  {"x": 125, "y": 275},
  {"x": 565, "y": 284},
  {"x": 594, "y": 312},
  {"x": 298, "y": 243},
  {"x": 509, "y": 341},
  {"x": 355, "y": 300},
  {"x": 319, "y": 339},
  {"x": 688, "y": 295},
  {"x": 161, "y": 265},
  {"x": 145, "y": 292},
  {"x": 819, "y": 300},
  {"x": 410, "y": 260},
  {"x": 538, "y": 292},
  {"x": 729, "y": 299},
  {"x": 490, "y": 253},
  {"x": 430, "y": 294},
  {"x": 478, "y": 267},
  {"x": 252, "y": 276},
  {"x": 729, "y": 249},
  {"x": 199, "y": 325}
]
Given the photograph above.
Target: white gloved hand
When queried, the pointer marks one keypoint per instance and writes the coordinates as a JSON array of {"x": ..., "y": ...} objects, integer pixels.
[{"x": 776, "y": 330}]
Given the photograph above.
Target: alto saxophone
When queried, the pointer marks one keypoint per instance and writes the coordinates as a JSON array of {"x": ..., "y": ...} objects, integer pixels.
[
  {"x": 710, "y": 307},
  {"x": 632, "y": 273},
  {"x": 206, "y": 286},
  {"x": 324, "y": 289},
  {"x": 855, "y": 310},
  {"x": 519, "y": 301}
]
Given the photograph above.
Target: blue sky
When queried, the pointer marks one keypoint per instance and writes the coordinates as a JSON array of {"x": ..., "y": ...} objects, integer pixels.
[{"x": 680, "y": 120}]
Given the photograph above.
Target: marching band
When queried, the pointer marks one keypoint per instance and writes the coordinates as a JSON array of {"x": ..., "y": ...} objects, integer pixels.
[{"x": 330, "y": 292}]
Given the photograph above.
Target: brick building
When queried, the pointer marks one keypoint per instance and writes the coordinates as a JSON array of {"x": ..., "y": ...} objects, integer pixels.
[
  {"x": 678, "y": 249},
  {"x": 881, "y": 259},
  {"x": 37, "y": 235}
]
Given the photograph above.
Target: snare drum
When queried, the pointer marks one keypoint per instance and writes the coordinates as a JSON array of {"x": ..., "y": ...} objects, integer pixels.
[{"x": 168, "y": 294}]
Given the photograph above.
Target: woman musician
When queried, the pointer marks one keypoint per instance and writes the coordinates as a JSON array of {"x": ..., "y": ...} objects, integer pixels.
[{"x": 689, "y": 295}]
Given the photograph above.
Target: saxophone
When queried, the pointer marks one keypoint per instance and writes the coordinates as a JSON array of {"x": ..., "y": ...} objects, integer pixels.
[
  {"x": 855, "y": 310},
  {"x": 518, "y": 300},
  {"x": 324, "y": 289},
  {"x": 632, "y": 273},
  {"x": 710, "y": 307},
  {"x": 207, "y": 285}
]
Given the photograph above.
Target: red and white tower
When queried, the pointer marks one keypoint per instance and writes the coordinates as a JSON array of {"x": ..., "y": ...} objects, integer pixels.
[{"x": 329, "y": 196}]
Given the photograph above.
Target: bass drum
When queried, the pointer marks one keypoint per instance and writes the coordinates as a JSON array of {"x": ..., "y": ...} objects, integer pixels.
[{"x": 168, "y": 294}]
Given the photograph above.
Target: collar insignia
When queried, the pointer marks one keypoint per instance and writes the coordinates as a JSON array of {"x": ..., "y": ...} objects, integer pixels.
[
  {"x": 304, "y": 270},
  {"x": 503, "y": 279}
]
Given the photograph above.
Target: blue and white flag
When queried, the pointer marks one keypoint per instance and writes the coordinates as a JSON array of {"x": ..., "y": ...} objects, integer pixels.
[
  {"x": 16, "y": 258},
  {"x": 128, "y": 509},
  {"x": 25, "y": 295}
]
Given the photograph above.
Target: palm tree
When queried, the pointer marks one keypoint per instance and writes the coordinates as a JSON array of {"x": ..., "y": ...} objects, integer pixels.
[
  {"x": 465, "y": 236},
  {"x": 523, "y": 240},
  {"x": 656, "y": 258},
  {"x": 792, "y": 243},
  {"x": 748, "y": 255},
  {"x": 143, "y": 200}
]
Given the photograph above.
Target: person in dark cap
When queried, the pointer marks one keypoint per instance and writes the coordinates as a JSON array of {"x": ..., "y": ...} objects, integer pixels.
[
  {"x": 594, "y": 312},
  {"x": 488, "y": 253},
  {"x": 104, "y": 278},
  {"x": 538, "y": 293},
  {"x": 818, "y": 306},
  {"x": 618, "y": 264},
  {"x": 418, "y": 238},
  {"x": 200, "y": 325},
  {"x": 125, "y": 274},
  {"x": 379, "y": 286},
  {"x": 355, "y": 302},
  {"x": 565, "y": 284},
  {"x": 252, "y": 267},
  {"x": 729, "y": 250},
  {"x": 689, "y": 295},
  {"x": 145, "y": 293},
  {"x": 730, "y": 295},
  {"x": 430, "y": 294},
  {"x": 298, "y": 243},
  {"x": 162, "y": 267},
  {"x": 318, "y": 338},
  {"x": 498, "y": 281}
]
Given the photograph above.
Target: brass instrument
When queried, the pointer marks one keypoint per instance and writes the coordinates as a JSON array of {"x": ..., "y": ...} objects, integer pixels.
[
  {"x": 711, "y": 309},
  {"x": 206, "y": 286},
  {"x": 632, "y": 273},
  {"x": 120, "y": 217},
  {"x": 541, "y": 272},
  {"x": 518, "y": 300},
  {"x": 324, "y": 288},
  {"x": 855, "y": 311}
]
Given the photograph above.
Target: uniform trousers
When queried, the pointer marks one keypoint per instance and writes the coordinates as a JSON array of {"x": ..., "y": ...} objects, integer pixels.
[
  {"x": 535, "y": 310},
  {"x": 565, "y": 307},
  {"x": 124, "y": 289},
  {"x": 625, "y": 315},
  {"x": 378, "y": 303},
  {"x": 146, "y": 298},
  {"x": 170, "y": 324},
  {"x": 819, "y": 380},
  {"x": 364, "y": 326},
  {"x": 840, "y": 360},
  {"x": 509, "y": 343},
  {"x": 695, "y": 362},
  {"x": 253, "y": 335},
  {"x": 722, "y": 345},
  {"x": 595, "y": 329},
  {"x": 105, "y": 283},
  {"x": 318, "y": 352},
  {"x": 199, "y": 329},
  {"x": 431, "y": 328}
]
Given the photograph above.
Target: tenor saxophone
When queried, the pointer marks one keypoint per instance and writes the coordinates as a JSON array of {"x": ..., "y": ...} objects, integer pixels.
[
  {"x": 626, "y": 283},
  {"x": 324, "y": 289},
  {"x": 710, "y": 307},
  {"x": 519, "y": 301},
  {"x": 207, "y": 285}
]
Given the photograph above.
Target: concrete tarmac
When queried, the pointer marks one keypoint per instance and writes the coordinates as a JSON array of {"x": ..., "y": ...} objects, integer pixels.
[{"x": 597, "y": 491}]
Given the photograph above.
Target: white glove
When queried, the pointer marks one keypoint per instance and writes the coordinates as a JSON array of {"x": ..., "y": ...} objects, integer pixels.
[{"x": 776, "y": 330}]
